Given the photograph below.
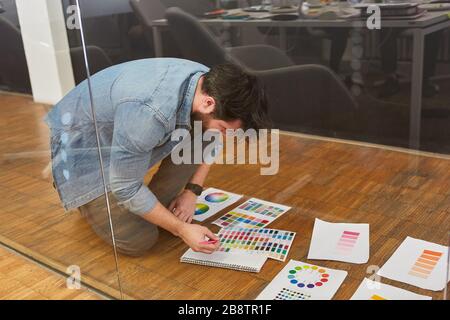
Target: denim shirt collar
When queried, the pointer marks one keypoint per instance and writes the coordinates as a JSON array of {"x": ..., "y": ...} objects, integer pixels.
[{"x": 184, "y": 113}]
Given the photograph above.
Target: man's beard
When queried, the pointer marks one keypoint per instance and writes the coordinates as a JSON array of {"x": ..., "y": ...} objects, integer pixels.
[{"x": 205, "y": 119}]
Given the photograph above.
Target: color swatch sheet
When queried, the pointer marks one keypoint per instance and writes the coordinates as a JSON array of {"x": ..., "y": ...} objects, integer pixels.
[
  {"x": 254, "y": 213},
  {"x": 372, "y": 290},
  {"x": 213, "y": 200},
  {"x": 271, "y": 242},
  {"x": 348, "y": 242},
  {"x": 419, "y": 263},
  {"x": 303, "y": 281}
]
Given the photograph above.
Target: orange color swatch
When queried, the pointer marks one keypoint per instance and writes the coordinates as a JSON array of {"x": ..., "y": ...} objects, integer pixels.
[{"x": 425, "y": 264}]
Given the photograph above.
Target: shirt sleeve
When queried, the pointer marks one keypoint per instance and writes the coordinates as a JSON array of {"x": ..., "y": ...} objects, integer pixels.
[{"x": 136, "y": 133}]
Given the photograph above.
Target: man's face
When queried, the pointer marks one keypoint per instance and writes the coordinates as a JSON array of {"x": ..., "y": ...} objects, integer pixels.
[{"x": 209, "y": 123}]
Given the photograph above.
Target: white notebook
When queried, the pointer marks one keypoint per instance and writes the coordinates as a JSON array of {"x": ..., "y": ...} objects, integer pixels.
[{"x": 240, "y": 262}]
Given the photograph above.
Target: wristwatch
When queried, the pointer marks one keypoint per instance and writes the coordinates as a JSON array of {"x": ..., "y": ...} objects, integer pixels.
[{"x": 195, "y": 188}]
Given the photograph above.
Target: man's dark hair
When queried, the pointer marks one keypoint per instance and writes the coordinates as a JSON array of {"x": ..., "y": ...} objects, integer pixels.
[{"x": 238, "y": 95}]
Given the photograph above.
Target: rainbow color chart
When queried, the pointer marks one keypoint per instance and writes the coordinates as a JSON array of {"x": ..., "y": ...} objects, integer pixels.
[
  {"x": 288, "y": 294},
  {"x": 301, "y": 280},
  {"x": 275, "y": 243},
  {"x": 217, "y": 197},
  {"x": 306, "y": 276},
  {"x": 425, "y": 264},
  {"x": 201, "y": 208},
  {"x": 254, "y": 213},
  {"x": 347, "y": 242},
  {"x": 212, "y": 201}
]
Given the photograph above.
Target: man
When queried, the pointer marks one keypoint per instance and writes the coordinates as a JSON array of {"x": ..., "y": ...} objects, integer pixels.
[
  {"x": 389, "y": 59},
  {"x": 137, "y": 106}
]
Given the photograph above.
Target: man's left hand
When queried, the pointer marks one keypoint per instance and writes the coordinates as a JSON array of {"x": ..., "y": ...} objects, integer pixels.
[{"x": 183, "y": 206}]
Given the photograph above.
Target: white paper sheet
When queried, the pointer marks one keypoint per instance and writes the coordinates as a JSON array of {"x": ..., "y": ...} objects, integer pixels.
[
  {"x": 303, "y": 281},
  {"x": 419, "y": 263},
  {"x": 348, "y": 242},
  {"x": 371, "y": 290},
  {"x": 213, "y": 200}
]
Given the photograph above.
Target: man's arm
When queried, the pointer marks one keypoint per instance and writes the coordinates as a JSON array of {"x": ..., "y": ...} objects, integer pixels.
[
  {"x": 192, "y": 234},
  {"x": 136, "y": 133},
  {"x": 200, "y": 175},
  {"x": 183, "y": 206}
]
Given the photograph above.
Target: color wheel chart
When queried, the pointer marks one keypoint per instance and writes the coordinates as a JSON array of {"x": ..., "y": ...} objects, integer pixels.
[
  {"x": 217, "y": 197},
  {"x": 274, "y": 243},
  {"x": 347, "y": 241},
  {"x": 309, "y": 277},
  {"x": 314, "y": 282},
  {"x": 201, "y": 208},
  {"x": 211, "y": 201},
  {"x": 254, "y": 213},
  {"x": 425, "y": 264},
  {"x": 288, "y": 294}
]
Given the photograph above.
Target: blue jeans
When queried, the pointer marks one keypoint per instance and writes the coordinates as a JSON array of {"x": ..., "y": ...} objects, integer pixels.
[{"x": 134, "y": 236}]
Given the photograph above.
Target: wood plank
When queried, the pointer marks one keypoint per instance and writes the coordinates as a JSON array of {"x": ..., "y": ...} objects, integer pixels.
[{"x": 25, "y": 280}]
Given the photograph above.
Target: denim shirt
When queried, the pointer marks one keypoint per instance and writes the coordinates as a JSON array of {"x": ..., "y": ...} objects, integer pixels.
[{"x": 138, "y": 105}]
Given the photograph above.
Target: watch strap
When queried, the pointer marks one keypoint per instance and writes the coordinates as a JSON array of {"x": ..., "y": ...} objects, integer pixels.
[{"x": 195, "y": 188}]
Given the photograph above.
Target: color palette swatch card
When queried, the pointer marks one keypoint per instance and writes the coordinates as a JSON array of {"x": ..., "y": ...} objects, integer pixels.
[
  {"x": 372, "y": 290},
  {"x": 254, "y": 213},
  {"x": 213, "y": 200},
  {"x": 419, "y": 263},
  {"x": 271, "y": 242},
  {"x": 303, "y": 281},
  {"x": 348, "y": 242}
]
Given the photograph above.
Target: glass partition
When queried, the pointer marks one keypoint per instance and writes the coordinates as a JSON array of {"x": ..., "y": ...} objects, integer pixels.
[
  {"x": 48, "y": 155},
  {"x": 363, "y": 133}
]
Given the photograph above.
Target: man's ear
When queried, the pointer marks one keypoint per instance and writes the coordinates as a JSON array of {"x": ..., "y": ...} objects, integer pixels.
[{"x": 209, "y": 104}]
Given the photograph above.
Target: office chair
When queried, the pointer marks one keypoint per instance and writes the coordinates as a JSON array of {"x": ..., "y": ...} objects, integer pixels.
[
  {"x": 307, "y": 98},
  {"x": 13, "y": 63},
  {"x": 98, "y": 60},
  {"x": 199, "y": 44},
  {"x": 147, "y": 11}
]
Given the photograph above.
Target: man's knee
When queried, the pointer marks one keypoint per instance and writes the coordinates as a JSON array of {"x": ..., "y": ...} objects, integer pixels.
[{"x": 139, "y": 244}]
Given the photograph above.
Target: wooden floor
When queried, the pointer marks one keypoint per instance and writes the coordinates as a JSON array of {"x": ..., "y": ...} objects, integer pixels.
[
  {"x": 21, "y": 279},
  {"x": 399, "y": 194}
]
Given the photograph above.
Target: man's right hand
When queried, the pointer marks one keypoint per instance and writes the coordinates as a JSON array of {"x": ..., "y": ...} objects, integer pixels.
[{"x": 194, "y": 234}]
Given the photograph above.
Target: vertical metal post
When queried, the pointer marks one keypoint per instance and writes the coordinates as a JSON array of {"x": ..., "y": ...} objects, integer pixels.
[{"x": 108, "y": 207}]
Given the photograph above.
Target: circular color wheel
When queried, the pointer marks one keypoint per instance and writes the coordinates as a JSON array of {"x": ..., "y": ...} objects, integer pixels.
[
  {"x": 217, "y": 197},
  {"x": 316, "y": 276},
  {"x": 200, "y": 208}
]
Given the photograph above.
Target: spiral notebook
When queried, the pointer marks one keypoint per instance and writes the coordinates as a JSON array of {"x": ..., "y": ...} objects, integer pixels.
[{"x": 240, "y": 262}]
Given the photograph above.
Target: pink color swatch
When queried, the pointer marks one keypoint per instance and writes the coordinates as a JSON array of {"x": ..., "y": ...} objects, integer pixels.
[{"x": 347, "y": 242}]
